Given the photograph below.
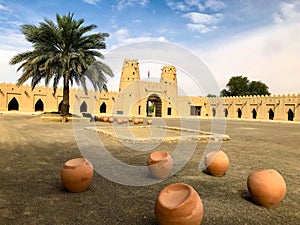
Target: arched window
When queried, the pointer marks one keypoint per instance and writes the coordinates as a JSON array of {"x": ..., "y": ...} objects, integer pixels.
[
  {"x": 271, "y": 114},
  {"x": 239, "y": 111},
  {"x": 290, "y": 115},
  {"x": 103, "y": 108},
  {"x": 225, "y": 112},
  {"x": 254, "y": 113},
  {"x": 213, "y": 112},
  {"x": 13, "y": 104},
  {"x": 39, "y": 105},
  {"x": 83, "y": 107}
]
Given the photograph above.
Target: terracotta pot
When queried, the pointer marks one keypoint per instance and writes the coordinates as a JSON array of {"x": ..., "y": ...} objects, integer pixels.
[
  {"x": 125, "y": 120},
  {"x": 136, "y": 121},
  {"x": 141, "y": 121},
  {"x": 217, "y": 163},
  {"x": 130, "y": 119},
  {"x": 266, "y": 187},
  {"x": 120, "y": 120},
  {"x": 160, "y": 164},
  {"x": 77, "y": 174},
  {"x": 179, "y": 204},
  {"x": 111, "y": 120},
  {"x": 149, "y": 122},
  {"x": 105, "y": 119}
]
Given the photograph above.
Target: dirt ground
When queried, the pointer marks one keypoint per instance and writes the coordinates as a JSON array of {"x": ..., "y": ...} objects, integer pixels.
[{"x": 33, "y": 151}]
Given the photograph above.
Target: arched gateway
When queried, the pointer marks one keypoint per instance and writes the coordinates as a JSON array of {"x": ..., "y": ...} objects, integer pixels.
[{"x": 154, "y": 105}]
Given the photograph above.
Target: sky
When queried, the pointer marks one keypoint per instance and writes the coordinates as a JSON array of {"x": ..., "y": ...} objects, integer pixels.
[{"x": 258, "y": 39}]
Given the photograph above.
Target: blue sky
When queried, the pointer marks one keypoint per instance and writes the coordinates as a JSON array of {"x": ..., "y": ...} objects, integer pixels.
[{"x": 258, "y": 39}]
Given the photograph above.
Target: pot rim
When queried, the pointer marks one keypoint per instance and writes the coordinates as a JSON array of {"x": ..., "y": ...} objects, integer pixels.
[{"x": 179, "y": 186}]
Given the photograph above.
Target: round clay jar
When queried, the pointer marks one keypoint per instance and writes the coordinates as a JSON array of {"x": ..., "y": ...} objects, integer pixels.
[
  {"x": 179, "y": 204},
  {"x": 77, "y": 174},
  {"x": 149, "y": 122},
  {"x": 217, "y": 163},
  {"x": 130, "y": 119},
  {"x": 105, "y": 119},
  {"x": 120, "y": 120},
  {"x": 141, "y": 121},
  {"x": 160, "y": 164},
  {"x": 136, "y": 121},
  {"x": 111, "y": 120},
  {"x": 266, "y": 187}
]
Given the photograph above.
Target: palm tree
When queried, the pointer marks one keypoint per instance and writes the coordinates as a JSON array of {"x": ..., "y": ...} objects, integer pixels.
[{"x": 63, "y": 50}]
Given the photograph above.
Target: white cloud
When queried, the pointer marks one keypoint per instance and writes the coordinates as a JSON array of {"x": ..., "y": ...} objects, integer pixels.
[
  {"x": 186, "y": 5},
  {"x": 178, "y": 6},
  {"x": 288, "y": 12},
  {"x": 4, "y": 8},
  {"x": 201, "y": 18},
  {"x": 122, "y": 37},
  {"x": 123, "y": 4},
  {"x": 201, "y": 22},
  {"x": 92, "y": 2},
  {"x": 269, "y": 54},
  {"x": 200, "y": 27},
  {"x": 195, "y": 3},
  {"x": 121, "y": 34},
  {"x": 16, "y": 40},
  {"x": 215, "y": 5}
]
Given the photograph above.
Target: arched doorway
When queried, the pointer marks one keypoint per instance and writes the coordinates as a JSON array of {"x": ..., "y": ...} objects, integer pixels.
[
  {"x": 13, "y": 104},
  {"x": 290, "y": 115},
  {"x": 83, "y": 107},
  {"x": 225, "y": 112},
  {"x": 239, "y": 111},
  {"x": 59, "y": 106},
  {"x": 154, "y": 106},
  {"x": 254, "y": 114},
  {"x": 213, "y": 112},
  {"x": 39, "y": 106},
  {"x": 271, "y": 114},
  {"x": 103, "y": 108}
]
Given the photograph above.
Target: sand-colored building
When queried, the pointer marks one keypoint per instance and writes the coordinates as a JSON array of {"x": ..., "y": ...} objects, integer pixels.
[{"x": 142, "y": 98}]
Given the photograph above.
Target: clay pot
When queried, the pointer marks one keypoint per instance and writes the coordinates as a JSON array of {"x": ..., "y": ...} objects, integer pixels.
[
  {"x": 217, "y": 163},
  {"x": 149, "y": 122},
  {"x": 136, "y": 121},
  {"x": 105, "y": 119},
  {"x": 141, "y": 121},
  {"x": 111, "y": 120},
  {"x": 266, "y": 187},
  {"x": 179, "y": 204},
  {"x": 120, "y": 120},
  {"x": 125, "y": 120},
  {"x": 130, "y": 119},
  {"x": 77, "y": 174},
  {"x": 160, "y": 164}
]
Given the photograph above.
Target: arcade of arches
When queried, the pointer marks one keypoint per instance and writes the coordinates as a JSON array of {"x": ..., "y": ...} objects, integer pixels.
[{"x": 158, "y": 99}]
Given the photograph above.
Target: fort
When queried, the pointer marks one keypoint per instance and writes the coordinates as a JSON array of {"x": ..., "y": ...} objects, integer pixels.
[{"x": 142, "y": 98}]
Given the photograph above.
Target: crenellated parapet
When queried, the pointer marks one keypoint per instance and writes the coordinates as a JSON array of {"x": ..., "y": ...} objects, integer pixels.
[{"x": 136, "y": 97}]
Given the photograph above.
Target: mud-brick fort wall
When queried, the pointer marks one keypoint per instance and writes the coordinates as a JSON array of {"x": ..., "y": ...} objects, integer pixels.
[
  {"x": 135, "y": 96},
  {"x": 273, "y": 107},
  {"x": 24, "y": 99}
]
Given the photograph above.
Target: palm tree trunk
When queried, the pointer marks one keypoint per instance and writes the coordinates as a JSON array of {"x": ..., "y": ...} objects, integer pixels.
[{"x": 65, "y": 104}]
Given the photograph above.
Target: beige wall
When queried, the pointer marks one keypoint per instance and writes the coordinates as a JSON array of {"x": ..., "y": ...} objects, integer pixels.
[{"x": 134, "y": 95}]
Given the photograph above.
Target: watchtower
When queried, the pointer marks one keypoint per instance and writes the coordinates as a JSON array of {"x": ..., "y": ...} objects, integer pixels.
[
  {"x": 130, "y": 73},
  {"x": 168, "y": 75}
]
